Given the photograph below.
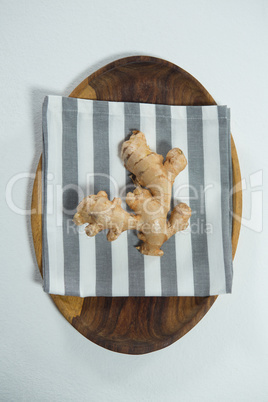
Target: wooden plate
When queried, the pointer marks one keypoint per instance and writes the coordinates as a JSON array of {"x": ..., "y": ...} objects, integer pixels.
[{"x": 137, "y": 325}]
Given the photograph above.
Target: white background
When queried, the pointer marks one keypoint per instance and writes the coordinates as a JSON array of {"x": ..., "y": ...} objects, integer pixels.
[{"x": 48, "y": 47}]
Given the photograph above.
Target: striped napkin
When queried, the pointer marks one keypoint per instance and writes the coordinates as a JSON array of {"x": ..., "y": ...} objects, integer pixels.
[{"x": 81, "y": 143}]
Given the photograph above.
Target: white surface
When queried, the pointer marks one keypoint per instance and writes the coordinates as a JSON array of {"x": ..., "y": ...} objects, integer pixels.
[{"x": 48, "y": 48}]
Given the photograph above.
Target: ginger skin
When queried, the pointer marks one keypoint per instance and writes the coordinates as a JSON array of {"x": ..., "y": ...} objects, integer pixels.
[{"x": 150, "y": 204}]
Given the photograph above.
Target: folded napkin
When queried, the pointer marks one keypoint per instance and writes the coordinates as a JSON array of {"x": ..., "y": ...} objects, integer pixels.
[{"x": 81, "y": 143}]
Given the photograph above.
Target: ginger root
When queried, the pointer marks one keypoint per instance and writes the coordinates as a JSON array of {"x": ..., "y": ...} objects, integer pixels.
[{"x": 150, "y": 204}]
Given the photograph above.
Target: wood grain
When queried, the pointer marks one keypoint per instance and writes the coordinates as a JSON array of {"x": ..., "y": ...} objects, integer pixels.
[{"x": 137, "y": 325}]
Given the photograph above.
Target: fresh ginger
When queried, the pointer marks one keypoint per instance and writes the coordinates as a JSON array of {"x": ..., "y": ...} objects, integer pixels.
[{"x": 150, "y": 200}]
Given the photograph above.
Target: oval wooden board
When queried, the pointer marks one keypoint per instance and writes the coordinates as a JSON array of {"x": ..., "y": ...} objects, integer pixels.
[{"x": 137, "y": 325}]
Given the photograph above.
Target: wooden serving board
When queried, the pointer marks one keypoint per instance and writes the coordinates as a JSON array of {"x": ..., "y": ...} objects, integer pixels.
[{"x": 137, "y": 325}]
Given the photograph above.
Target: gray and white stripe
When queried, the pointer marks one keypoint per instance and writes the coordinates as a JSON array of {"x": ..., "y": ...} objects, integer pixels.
[
  {"x": 197, "y": 201},
  {"x": 87, "y": 246},
  {"x": 120, "y": 283},
  {"x": 70, "y": 196},
  {"x": 183, "y": 242},
  {"x": 103, "y": 252},
  {"x": 226, "y": 185},
  {"x": 53, "y": 268},
  {"x": 152, "y": 265},
  {"x": 81, "y": 141},
  {"x": 135, "y": 259},
  {"x": 163, "y": 145}
]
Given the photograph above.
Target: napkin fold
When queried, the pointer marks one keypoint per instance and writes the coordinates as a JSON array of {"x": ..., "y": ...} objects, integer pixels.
[{"x": 81, "y": 144}]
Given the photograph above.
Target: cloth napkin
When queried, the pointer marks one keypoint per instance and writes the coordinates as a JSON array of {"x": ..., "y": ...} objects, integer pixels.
[{"x": 81, "y": 156}]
